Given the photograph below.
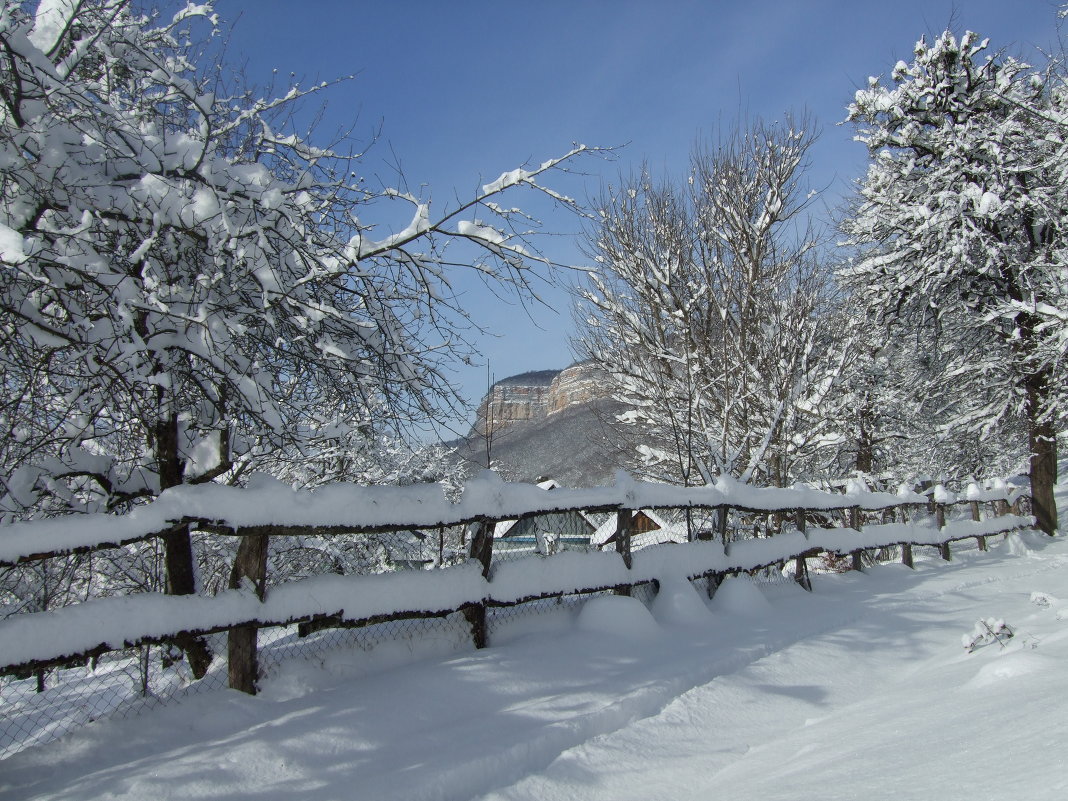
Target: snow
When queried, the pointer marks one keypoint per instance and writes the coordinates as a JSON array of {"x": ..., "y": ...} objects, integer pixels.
[
  {"x": 561, "y": 573},
  {"x": 116, "y": 622},
  {"x": 506, "y": 179},
  {"x": 11, "y": 246},
  {"x": 128, "y": 619},
  {"x": 619, "y": 617},
  {"x": 678, "y": 604},
  {"x": 480, "y": 231},
  {"x": 739, "y": 598},
  {"x": 49, "y": 22},
  {"x": 860, "y": 689}
]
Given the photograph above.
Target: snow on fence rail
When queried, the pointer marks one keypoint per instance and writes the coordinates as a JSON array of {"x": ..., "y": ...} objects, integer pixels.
[
  {"x": 38, "y": 640},
  {"x": 274, "y": 508}
]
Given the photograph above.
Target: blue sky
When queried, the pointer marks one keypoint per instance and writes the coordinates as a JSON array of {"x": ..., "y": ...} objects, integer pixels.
[{"x": 462, "y": 91}]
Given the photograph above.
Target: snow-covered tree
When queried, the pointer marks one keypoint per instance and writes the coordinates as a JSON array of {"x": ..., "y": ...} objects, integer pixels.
[
  {"x": 884, "y": 413},
  {"x": 186, "y": 286},
  {"x": 962, "y": 217},
  {"x": 703, "y": 307}
]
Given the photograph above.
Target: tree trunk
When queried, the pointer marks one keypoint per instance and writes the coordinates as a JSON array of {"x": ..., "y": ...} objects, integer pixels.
[
  {"x": 482, "y": 550},
  {"x": 1042, "y": 439},
  {"x": 177, "y": 545},
  {"x": 250, "y": 564},
  {"x": 865, "y": 446}
]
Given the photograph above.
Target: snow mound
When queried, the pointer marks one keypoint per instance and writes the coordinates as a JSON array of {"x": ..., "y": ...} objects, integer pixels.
[
  {"x": 678, "y": 603},
  {"x": 740, "y": 596},
  {"x": 1043, "y": 599},
  {"x": 1014, "y": 544},
  {"x": 293, "y": 679},
  {"x": 1009, "y": 666},
  {"x": 619, "y": 616}
]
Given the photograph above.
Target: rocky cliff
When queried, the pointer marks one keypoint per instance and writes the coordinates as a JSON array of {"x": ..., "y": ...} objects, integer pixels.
[{"x": 538, "y": 395}]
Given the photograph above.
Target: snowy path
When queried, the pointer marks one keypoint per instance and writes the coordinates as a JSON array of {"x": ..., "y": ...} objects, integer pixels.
[{"x": 860, "y": 690}]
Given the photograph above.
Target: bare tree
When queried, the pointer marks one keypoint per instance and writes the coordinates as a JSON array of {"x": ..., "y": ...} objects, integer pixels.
[{"x": 704, "y": 307}]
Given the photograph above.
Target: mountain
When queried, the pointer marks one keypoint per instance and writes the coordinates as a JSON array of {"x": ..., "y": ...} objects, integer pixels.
[{"x": 558, "y": 424}]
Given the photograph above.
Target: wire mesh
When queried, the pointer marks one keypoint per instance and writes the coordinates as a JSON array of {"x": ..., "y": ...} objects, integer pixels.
[
  {"x": 508, "y": 621},
  {"x": 43, "y": 706},
  {"x": 48, "y": 704}
]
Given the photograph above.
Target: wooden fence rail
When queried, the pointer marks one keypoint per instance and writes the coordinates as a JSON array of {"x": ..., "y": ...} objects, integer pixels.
[
  {"x": 40, "y": 640},
  {"x": 346, "y": 509}
]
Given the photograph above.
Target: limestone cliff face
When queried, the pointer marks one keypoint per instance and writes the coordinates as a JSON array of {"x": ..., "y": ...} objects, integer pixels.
[
  {"x": 579, "y": 383},
  {"x": 537, "y": 395}
]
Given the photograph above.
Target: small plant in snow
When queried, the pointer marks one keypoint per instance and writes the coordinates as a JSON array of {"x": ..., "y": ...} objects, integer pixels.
[
  {"x": 986, "y": 631},
  {"x": 1042, "y": 599}
]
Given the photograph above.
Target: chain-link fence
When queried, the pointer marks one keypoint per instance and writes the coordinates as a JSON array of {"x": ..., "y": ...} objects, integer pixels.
[
  {"x": 44, "y": 705},
  {"x": 47, "y": 704}
]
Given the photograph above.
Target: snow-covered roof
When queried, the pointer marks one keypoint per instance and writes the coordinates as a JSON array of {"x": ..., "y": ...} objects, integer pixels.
[
  {"x": 502, "y": 527},
  {"x": 666, "y": 530}
]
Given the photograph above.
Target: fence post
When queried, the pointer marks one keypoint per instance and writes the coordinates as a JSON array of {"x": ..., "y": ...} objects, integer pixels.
[
  {"x": 722, "y": 524},
  {"x": 975, "y": 517},
  {"x": 624, "y": 526},
  {"x": 801, "y": 564},
  {"x": 940, "y": 518},
  {"x": 250, "y": 565},
  {"x": 482, "y": 550},
  {"x": 854, "y": 523},
  {"x": 906, "y": 547}
]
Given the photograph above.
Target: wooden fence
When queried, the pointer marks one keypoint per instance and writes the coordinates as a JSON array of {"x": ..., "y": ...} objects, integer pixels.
[{"x": 810, "y": 523}]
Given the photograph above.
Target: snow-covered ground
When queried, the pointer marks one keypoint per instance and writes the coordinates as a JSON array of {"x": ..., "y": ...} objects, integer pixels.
[{"x": 862, "y": 689}]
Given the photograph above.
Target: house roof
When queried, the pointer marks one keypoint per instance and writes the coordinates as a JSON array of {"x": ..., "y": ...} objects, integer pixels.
[
  {"x": 605, "y": 531},
  {"x": 502, "y": 527},
  {"x": 666, "y": 531}
]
